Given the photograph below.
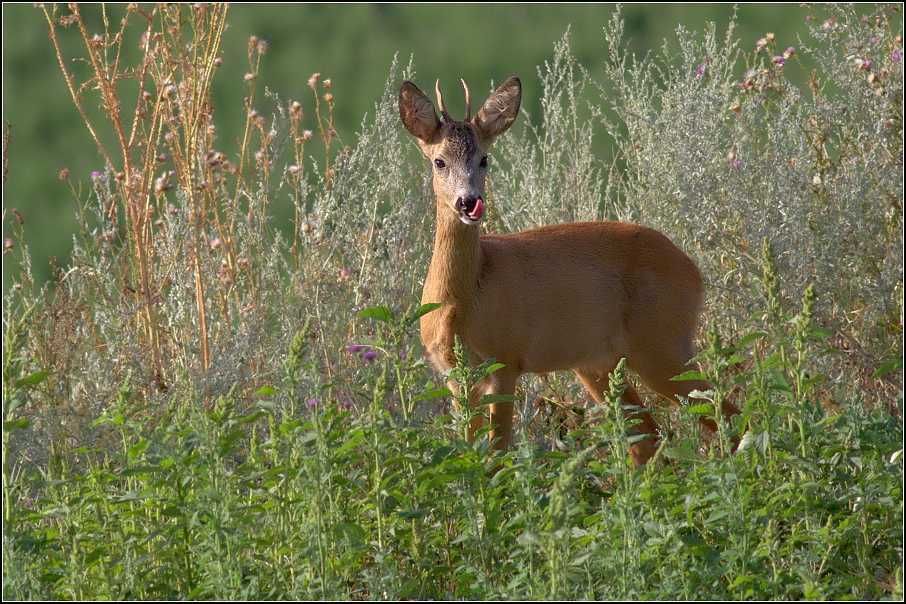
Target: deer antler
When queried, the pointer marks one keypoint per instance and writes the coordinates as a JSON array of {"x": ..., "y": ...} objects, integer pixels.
[
  {"x": 468, "y": 102},
  {"x": 440, "y": 103}
]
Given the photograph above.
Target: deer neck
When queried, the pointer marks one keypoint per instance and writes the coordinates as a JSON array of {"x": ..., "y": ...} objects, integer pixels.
[{"x": 456, "y": 263}]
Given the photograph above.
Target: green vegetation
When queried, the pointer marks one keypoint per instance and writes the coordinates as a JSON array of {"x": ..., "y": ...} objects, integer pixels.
[{"x": 206, "y": 405}]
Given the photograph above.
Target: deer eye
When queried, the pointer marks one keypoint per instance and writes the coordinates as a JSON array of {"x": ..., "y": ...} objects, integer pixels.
[
  {"x": 439, "y": 164},
  {"x": 484, "y": 162}
]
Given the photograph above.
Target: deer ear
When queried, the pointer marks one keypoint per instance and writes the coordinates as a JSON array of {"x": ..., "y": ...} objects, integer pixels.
[
  {"x": 500, "y": 110},
  {"x": 417, "y": 112}
]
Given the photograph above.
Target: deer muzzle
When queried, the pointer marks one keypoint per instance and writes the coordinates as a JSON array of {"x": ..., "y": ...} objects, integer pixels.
[{"x": 470, "y": 209}]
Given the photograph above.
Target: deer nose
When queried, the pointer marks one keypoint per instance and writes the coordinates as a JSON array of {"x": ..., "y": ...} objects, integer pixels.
[{"x": 470, "y": 207}]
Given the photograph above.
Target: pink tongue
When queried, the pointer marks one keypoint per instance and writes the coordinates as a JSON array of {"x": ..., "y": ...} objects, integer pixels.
[{"x": 478, "y": 212}]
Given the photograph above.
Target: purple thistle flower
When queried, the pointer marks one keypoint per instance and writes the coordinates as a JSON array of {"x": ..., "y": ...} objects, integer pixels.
[
  {"x": 700, "y": 70},
  {"x": 737, "y": 163},
  {"x": 312, "y": 403},
  {"x": 355, "y": 348},
  {"x": 896, "y": 56},
  {"x": 369, "y": 355}
]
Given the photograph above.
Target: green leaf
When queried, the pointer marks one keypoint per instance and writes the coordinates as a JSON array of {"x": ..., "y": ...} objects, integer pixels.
[
  {"x": 265, "y": 391},
  {"x": 379, "y": 313},
  {"x": 15, "y": 424},
  {"x": 132, "y": 496},
  {"x": 408, "y": 588},
  {"x": 137, "y": 449},
  {"x": 654, "y": 529},
  {"x": 93, "y": 556},
  {"x": 230, "y": 438},
  {"x": 888, "y": 368},
  {"x": 195, "y": 592},
  {"x": 351, "y": 530},
  {"x": 751, "y": 337},
  {"x": 692, "y": 540},
  {"x": 758, "y": 440},
  {"x": 780, "y": 381},
  {"x": 818, "y": 333},
  {"x": 529, "y": 538},
  {"x": 439, "y": 480},
  {"x": 689, "y": 375},
  {"x": 171, "y": 511},
  {"x": 140, "y": 470},
  {"x": 34, "y": 379},
  {"x": 424, "y": 309},
  {"x": 740, "y": 580},
  {"x": 441, "y": 454},
  {"x": 490, "y": 367},
  {"x": 716, "y": 516},
  {"x": 253, "y": 417},
  {"x": 436, "y": 393},
  {"x": 489, "y": 399},
  {"x": 700, "y": 409},
  {"x": 580, "y": 558},
  {"x": 591, "y": 520},
  {"x": 416, "y": 513}
]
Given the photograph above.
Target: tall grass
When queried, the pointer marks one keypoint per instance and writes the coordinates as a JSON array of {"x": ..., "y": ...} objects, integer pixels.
[{"x": 208, "y": 405}]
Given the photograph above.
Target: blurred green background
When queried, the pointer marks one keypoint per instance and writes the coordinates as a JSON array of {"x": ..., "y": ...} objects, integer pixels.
[{"x": 352, "y": 44}]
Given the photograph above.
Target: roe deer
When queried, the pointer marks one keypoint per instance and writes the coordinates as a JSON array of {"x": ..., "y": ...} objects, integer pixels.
[{"x": 576, "y": 296}]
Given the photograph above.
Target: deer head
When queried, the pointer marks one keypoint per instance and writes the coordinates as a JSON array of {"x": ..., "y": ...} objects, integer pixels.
[{"x": 458, "y": 151}]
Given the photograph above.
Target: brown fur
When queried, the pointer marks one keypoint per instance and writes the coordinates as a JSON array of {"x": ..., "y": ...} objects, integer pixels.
[{"x": 577, "y": 296}]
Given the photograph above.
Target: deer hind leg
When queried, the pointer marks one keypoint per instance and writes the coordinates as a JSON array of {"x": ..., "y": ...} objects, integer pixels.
[
  {"x": 598, "y": 384},
  {"x": 499, "y": 382},
  {"x": 657, "y": 364}
]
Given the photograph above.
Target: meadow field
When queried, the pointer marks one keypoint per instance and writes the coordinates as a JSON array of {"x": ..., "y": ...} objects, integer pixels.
[{"x": 206, "y": 403}]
